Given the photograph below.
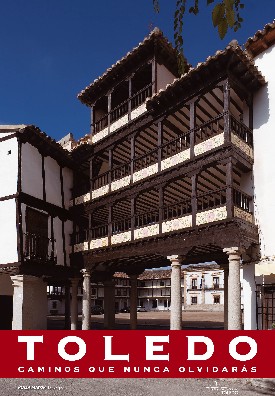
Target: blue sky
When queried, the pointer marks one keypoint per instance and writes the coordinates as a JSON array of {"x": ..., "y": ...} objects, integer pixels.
[{"x": 52, "y": 49}]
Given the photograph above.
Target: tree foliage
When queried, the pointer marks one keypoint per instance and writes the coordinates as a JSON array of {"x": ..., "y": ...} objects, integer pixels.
[{"x": 225, "y": 15}]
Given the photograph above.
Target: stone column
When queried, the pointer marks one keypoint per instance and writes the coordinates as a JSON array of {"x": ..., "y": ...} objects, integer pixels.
[
  {"x": 86, "y": 299},
  {"x": 74, "y": 307},
  {"x": 234, "y": 289},
  {"x": 67, "y": 307},
  {"x": 133, "y": 301},
  {"x": 176, "y": 298},
  {"x": 249, "y": 297},
  {"x": 185, "y": 289},
  {"x": 109, "y": 304},
  {"x": 30, "y": 304},
  {"x": 202, "y": 289},
  {"x": 225, "y": 297}
]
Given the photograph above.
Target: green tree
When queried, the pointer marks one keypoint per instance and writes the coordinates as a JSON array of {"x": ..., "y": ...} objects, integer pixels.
[{"x": 225, "y": 15}]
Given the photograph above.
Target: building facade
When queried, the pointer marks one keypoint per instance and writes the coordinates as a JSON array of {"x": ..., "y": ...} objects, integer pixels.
[{"x": 172, "y": 173}]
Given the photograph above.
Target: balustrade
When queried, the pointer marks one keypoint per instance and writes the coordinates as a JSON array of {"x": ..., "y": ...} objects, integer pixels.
[
  {"x": 177, "y": 209},
  {"x": 242, "y": 131},
  {"x": 241, "y": 200},
  {"x": 146, "y": 160},
  {"x": 210, "y": 128},
  {"x": 121, "y": 171},
  {"x": 175, "y": 146},
  {"x": 211, "y": 199},
  {"x": 147, "y": 218},
  {"x": 38, "y": 247},
  {"x": 121, "y": 225},
  {"x": 119, "y": 111},
  {"x": 139, "y": 97}
]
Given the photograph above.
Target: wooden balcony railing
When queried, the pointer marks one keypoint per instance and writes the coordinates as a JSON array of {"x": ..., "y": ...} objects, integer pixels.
[
  {"x": 139, "y": 97},
  {"x": 99, "y": 231},
  {"x": 147, "y": 218},
  {"x": 177, "y": 209},
  {"x": 210, "y": 128},
  {"x": 121, "y": 225},
  {"x": 175, "y": 146},
  {"x": 242, "y": 200},
  {"x": 211, "y": 199},
  {"x": 123, "y": 108},
  {"x": 241, "y": 130},
  {"x": 121, "y": 171},
  {"x": 145, "y": 160},
  {"x": 39, "y": 248}
]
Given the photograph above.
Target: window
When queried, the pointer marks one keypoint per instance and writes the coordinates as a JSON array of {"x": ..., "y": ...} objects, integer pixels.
[
  {"x": 93, "y": 292},
  {"x": 194, "y": 284},
  {"x": 194, "y": 300},
  {"x": 36, "y": 236},
  {"x": 216, "y": 282},
  {"x": 54, "y": 305},
  {"x": 161, "y": 283},
  {"x": 216, "y": 299}
]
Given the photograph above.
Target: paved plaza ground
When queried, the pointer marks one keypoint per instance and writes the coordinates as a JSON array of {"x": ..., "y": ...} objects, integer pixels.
[{"x": 191, "y": 320}]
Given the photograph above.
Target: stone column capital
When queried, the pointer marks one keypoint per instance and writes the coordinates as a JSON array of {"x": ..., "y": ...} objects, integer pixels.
[
  {"x": 18, "y": 280},
  {"x": 233, "y": 251},
  {"x": 86, "y": 272},
  {"x": 175, "y": 259}
]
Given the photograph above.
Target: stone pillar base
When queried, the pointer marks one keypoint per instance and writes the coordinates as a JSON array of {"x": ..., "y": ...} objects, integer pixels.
[{"x": 30, "y": 304}]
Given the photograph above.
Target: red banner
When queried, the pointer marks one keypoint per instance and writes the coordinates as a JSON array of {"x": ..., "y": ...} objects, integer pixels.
[{"x": 122, "y": 354}]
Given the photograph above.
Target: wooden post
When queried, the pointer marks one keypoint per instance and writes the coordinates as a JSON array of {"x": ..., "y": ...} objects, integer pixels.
[
  {"x": 192, "y": 126},
  {"x": 132, "y": 156},
  {"x": 194, "y": 179},
  {"x": 133, "y": 211},
  {"x": 110, "y": 167},
  {"x": 109, "y": 110},
  {"x": 130, "y": 96},
  {"x": 160, "y": 141},
  {"x": 226, "y": 108},
  {"x": 229, "y": 189},
  {"x": 160, "y": 208},
  {"x": 110, "y": 224},
  {"x": 92, "y": 121},
  {"x": 91, "y": 177}
]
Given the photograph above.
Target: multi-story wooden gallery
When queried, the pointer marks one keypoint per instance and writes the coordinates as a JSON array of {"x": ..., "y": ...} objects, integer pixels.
[{"x": 177, "y": 170}]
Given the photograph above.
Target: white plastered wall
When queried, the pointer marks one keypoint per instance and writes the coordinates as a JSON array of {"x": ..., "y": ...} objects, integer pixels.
[
  {"x": 164, "y": 77},
  {"x": 8, "y": 167},
  {"x": 67, "y": 185},
  {"x": 264, "y": 153},
  {"x": 31, "y": 169},
  {"x": 8, "y": 232},
  {"x": 52, "y": 182}
]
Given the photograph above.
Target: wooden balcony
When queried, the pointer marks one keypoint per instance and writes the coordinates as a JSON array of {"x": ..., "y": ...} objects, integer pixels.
[
  {"x": 212, "y": 207},
  {"x": 38, "y": 248},
  {"x": 126, "y": 111},
  {"x": 192, "y": 144}
]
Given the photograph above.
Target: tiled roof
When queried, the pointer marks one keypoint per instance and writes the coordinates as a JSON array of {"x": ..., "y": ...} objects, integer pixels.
[
  {"x": 232, "y": 48},
  {"x": 261, "y": 40},
  {"x": 166, "y": 274},
  {"x": 156, "y": 33}
]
